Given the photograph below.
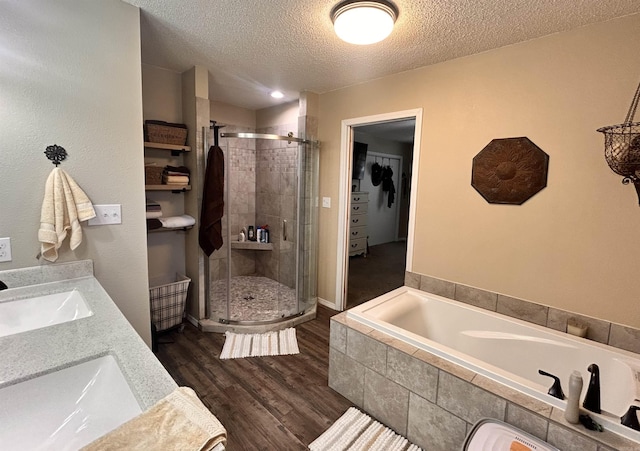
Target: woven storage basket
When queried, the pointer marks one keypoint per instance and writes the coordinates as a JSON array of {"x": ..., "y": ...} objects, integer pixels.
[
  {"x": 153, "y": 175},
  {"x": 165, "y": 133},
  {"x": 168, "y": 301}
]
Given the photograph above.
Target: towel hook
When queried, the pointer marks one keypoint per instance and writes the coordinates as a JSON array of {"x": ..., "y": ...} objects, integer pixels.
[{"x": 56, "y": 154}]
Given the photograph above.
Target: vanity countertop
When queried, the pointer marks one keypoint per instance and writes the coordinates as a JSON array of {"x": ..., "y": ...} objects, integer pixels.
[{"x": 34, "y": 353}]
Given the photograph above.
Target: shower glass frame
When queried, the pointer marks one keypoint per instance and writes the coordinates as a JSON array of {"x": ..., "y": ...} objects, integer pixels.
[{"x": 304, "y": 248}]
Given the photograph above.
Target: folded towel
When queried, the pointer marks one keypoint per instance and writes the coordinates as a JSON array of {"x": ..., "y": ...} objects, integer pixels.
[
  {"x": 153, "y": 214},
  {"x": 181, "y": 170},
  {"x": 151, "y": 204},
  {"x": 175, "y": 179},
  {"x": 178, "y": 422},
  {"x": 173, "y": 222},
  {"x": 153, "y": 224},
  {"x": 64, "y": 206}
]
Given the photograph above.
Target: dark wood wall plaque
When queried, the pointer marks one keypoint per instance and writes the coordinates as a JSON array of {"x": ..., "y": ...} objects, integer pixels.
[{"x": 509, "y": 171}]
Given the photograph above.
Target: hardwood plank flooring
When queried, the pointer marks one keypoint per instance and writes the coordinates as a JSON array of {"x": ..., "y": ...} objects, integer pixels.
[{"x": 265, "y": 403}]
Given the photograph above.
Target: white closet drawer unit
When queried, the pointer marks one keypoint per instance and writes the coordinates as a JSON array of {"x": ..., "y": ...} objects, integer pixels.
[
  {"x": 358, "y": 220},
  {"x": 358, "y": 232},
  {"x": 359, "y": 197},
  {"x": 358, "y": 246},
  {"x": 358, "y": 223},
  {"x": 359, "y": 209}
]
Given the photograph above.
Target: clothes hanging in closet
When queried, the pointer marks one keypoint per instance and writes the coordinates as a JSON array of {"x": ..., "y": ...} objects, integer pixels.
[
  {"x": 388, "y": 186},
  {"x": 210, "y": 233}
]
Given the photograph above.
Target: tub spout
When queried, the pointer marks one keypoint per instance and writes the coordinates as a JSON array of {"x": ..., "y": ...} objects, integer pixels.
[
  {"x": 592, "y": 398},
  {"x": 556, "y": 388},
  {"x": 630, "y": 419}
]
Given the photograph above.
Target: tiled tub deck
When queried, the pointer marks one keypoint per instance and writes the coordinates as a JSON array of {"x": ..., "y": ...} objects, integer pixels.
[{"x": 433, "y": 402}]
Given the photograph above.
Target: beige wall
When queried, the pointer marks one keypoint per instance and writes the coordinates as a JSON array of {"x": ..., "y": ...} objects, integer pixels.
[
  {"x": 224, "y": 113},
  {"x": 575, "y": 244},
  {"x": 70, "y": 75},
  {"x": 279, "y": 115}
]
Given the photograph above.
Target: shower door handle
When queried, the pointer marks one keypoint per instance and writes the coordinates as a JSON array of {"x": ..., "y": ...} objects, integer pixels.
[{"x": 284, "y": 229}]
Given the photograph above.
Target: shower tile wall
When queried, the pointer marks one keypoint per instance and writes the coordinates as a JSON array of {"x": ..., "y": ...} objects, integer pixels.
[{"x": 276, "y": 201}]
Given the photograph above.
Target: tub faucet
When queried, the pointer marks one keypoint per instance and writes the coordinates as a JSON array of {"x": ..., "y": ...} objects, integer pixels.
[
  {"x": 630, "y": 419},
  {"x": 556, "y": 388},
  {"x": 592, "y": 398},
  {"x": 3, "y": 286}
]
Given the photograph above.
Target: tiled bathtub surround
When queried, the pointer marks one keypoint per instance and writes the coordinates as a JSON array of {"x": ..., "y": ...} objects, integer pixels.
[
  {"x": 616, "y": 335},
  {"x": 433, "y": 402}
]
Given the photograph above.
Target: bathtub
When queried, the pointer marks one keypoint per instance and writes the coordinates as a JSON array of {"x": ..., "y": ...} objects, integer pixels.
[{"x": 505, "y": 349}]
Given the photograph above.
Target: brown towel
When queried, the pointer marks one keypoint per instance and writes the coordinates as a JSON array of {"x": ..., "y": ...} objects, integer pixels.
[
  {"x": 210, "y": 233},
  {"x": 178, "y": 422}
]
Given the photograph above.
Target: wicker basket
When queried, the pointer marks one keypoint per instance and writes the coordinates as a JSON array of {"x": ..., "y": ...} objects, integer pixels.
[
  {"x": 165, "y": 133},
  {"x": 622, "y": 146},
  {"x": 153, "y": 175},
  {"x": 168, "y": 301}
]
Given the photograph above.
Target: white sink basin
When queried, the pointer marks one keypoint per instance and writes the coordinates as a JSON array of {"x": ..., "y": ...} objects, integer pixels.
[
  {"x": 66, "y": 409},
  {"x": 41, "y": 311}
]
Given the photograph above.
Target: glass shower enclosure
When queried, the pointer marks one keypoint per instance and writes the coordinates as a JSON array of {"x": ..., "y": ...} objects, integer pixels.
[{"x": 266, "y": 271}]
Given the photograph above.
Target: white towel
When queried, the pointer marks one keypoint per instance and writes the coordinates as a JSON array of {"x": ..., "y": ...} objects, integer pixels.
[
  {"x": 172, "y": 222},
  {"x": 65, "y": 205}
]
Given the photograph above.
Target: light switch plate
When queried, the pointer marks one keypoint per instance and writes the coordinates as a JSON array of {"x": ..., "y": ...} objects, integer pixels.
[
  {"x": 107, "y": 214},
  {"x": 326, "y": 202},
  {"x": 5, "y": 249}
]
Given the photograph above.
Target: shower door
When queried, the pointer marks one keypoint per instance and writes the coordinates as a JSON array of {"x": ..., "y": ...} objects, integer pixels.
[{"x": 269, "y": 183}]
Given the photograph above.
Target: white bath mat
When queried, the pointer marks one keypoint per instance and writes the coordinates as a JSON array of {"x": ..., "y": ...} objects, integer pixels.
[
  {"x": 355, "y": 431},
  {"x": 237, "y": 346}
]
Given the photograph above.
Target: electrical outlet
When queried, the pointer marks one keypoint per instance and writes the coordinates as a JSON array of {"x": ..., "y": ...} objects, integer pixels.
[
  {"x": 5, "y": 249},
  {"x": 107, "y": 214}
]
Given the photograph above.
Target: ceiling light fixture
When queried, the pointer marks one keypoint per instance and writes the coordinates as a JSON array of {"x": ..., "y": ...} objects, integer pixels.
[
  {"x": 364, "y": 22},
  {"x": 277, "y": 94}
]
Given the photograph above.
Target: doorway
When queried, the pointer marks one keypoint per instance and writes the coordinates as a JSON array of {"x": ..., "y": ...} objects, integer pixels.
[
  {"x": 384, "y": 183},
  {"x": 387, "y": 186}
]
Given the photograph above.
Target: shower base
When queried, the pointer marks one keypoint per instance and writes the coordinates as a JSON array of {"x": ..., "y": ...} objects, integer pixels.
[{"x": 253, "y": 298}]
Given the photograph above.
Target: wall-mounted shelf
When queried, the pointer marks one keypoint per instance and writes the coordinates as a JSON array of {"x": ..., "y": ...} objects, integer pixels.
[
  {"x": 173, "y": 188},
  {"x": 170, "y": 229},
  {"x": 175, "y": 150},
  {"x": 252, "y": 245}
]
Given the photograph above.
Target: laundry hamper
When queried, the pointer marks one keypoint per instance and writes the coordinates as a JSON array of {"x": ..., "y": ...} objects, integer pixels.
[{"x": 168, "y": 300}]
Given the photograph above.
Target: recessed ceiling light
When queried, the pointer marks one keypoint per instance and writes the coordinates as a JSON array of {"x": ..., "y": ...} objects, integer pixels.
[
  {"x": 364, "y": 22},
  {"x": 277, "y": 94}
]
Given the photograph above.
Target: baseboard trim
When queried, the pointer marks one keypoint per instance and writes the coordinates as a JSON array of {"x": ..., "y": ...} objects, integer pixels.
[
  {"x": 327, "y": 304},
  {"x": 193, "y": 320}
]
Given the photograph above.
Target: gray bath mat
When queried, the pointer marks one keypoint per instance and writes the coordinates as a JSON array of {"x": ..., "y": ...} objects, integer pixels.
[
  {"x": 355, "y": 431},
  {"x": 237, "y": 346}
]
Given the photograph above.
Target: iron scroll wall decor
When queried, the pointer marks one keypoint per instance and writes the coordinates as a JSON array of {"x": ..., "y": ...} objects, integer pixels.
[
  {"x": 57, "y": 154},
  {"x": 509, "y": 171}
]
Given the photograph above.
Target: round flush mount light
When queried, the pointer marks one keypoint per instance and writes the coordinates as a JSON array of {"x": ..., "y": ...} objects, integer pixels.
[
  {"x": 364, "y": 22},
  {"x": 277, "y": 94}
]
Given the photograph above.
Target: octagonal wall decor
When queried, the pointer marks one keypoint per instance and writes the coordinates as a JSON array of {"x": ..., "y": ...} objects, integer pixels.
[{"x": 509, "y": 171}]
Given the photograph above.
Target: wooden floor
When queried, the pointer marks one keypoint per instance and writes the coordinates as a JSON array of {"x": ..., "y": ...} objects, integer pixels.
[{"x": 265, "y": 403}]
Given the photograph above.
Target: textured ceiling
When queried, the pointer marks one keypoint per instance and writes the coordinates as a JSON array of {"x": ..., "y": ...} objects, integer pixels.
[{"x": 253, "y": 46}]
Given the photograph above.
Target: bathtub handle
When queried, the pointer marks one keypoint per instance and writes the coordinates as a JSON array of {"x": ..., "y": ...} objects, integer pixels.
[{"x": 556, "y": 388}]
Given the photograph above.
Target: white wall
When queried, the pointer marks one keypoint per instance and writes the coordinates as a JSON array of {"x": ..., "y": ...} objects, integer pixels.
[{"x": 70, "y": 75}]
